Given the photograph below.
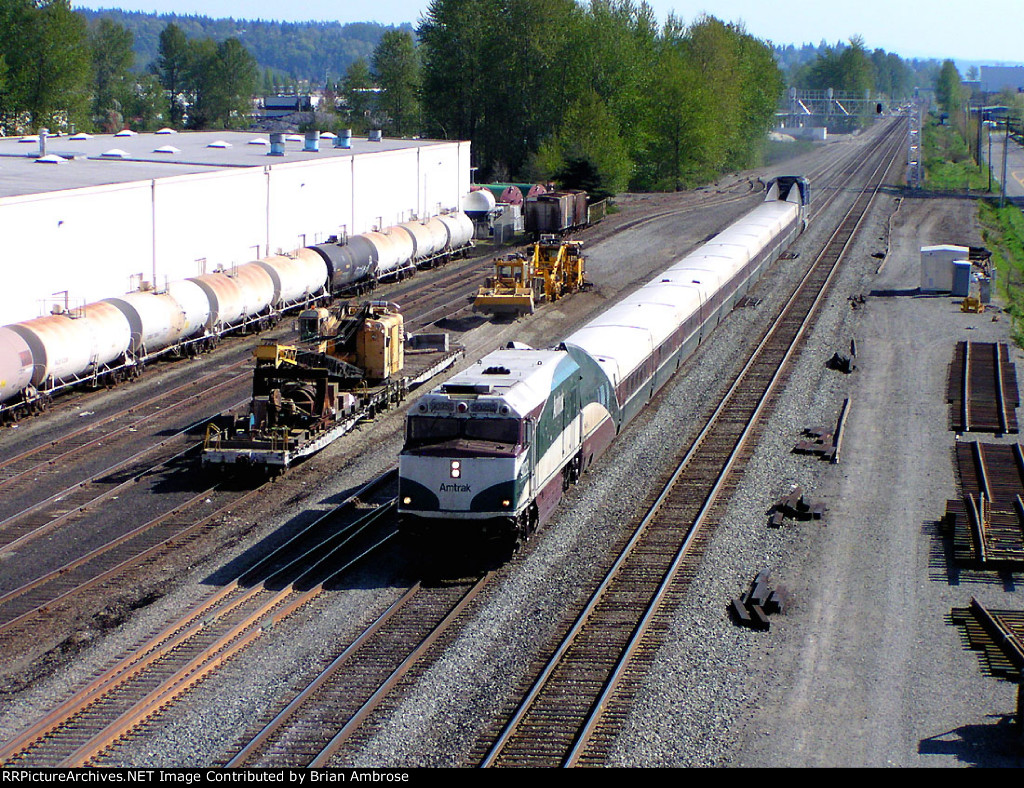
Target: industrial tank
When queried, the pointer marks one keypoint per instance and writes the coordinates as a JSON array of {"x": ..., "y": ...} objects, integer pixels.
[
  {"x": 257, "y": 287},
  {"x": 423, "y": 240},
  {"x": 15, "y": 363},
  {"x": 347, "y": 263},
  {"x": 65, "y": 347},
  {"x": 225, "y": 297},
  {"x": 404, "y": 246},
  {"x": 439, "y": 231},
  {"x": 295, "y": 276},
  {"x": 194, "y": 304},
  {"x": 387, "y": 253},
  {"x": 460, "y": 229},
  {"x": 155, "y": 319}
]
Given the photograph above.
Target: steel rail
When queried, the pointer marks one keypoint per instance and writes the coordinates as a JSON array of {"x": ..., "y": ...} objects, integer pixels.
[
  {"x": 693, "y": 531},
  {"x": 174, "y": 636}
]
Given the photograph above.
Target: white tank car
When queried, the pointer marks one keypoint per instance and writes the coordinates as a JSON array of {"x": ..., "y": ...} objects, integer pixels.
[
  {"x": 65, "y": 347},
  {"x": 424, "y": 245},
  {"x": 257, "y": 288},
  {"x": 15, "y": 364},
  {"x": 296, "y": 277},
  {"x": 194, "y": 303},
  {"x": 156, "y": 320}
]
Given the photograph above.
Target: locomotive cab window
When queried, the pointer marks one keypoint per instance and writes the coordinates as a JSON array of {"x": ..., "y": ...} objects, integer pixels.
[{"x": 425, "y": 430}]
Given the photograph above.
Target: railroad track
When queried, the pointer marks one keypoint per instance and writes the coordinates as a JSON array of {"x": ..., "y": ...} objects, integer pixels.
[
  {"x": 999, "y": 634},
  {"x": 131, "y": 717},
  {"x": 983, "y": 389},
  {"x": 336, "y": 709},
  {"x": 323, "y": 716},
  {"x": 573, "y": 707},
  {"x": 139, "y": 687}
]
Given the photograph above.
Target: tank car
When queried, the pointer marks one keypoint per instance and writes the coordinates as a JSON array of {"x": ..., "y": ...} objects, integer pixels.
[
  {"x": 114, "y": 337},
  {"x": 488, "y": 454}
]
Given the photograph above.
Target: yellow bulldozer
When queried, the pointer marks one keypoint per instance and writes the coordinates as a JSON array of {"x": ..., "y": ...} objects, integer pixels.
[{"x": 556, "y": 268}]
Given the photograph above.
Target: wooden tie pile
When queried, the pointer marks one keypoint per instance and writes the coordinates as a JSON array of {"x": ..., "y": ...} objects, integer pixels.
[
  {"x": 762, "y": 600},
  {"x": 795, "y": 507}
]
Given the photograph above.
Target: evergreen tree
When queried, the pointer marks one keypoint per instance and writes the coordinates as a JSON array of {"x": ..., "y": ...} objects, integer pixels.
[
  {"x": 48, "y": 65},
  {"x": 357, "y": 90},
  {"x": 587, "y": 152}
]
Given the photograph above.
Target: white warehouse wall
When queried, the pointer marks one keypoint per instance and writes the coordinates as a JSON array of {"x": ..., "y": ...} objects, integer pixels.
[{"x": 95, "y": 242}]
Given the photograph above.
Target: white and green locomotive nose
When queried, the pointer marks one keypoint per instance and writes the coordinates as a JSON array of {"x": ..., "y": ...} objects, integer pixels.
[{"x": 457, "y": 486}]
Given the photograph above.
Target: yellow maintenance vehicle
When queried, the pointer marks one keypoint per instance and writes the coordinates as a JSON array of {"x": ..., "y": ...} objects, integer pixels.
[
  {"x": 556, "y": 268},
  {"x": 347, "y": 368}
]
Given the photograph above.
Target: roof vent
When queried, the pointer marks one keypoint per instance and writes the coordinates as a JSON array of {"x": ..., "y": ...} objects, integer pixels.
[
  {"x": 50, "y": 159},
  {"x": 259, "y": 141},
  {"x": 114, "y": 153},
  {"x": 166, "y": 131},
  {"x": 166, "y": 149},
  {"x": 497, "y": 371},
  {"x": 125, "y": 133},
  {"x": 80, "y": 136},
  {"x": 222, "y": 144}
]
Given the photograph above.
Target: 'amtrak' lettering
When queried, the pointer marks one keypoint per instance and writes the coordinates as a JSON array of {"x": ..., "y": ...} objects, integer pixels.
[{"x": 454, "y": 488}]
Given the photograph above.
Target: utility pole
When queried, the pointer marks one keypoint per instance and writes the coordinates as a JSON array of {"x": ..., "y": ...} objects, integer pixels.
[{"x": 1006, "y": 146}]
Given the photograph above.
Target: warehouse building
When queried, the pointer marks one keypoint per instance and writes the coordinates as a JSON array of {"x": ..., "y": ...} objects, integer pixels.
[{"x": 84, "y": 217}]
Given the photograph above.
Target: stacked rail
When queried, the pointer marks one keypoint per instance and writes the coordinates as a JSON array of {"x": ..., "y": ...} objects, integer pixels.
[
  {"x": 999, "y": 634},
  {"x": 987, "y": 520},
  {"x": 983, "y": 389}
]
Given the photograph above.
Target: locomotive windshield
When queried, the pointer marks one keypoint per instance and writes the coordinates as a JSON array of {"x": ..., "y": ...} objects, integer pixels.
[{"x": 426, "y": 430}]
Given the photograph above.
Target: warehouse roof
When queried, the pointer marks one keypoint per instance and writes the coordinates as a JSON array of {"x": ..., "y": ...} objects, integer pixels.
[{"x": 101, "y": 159}]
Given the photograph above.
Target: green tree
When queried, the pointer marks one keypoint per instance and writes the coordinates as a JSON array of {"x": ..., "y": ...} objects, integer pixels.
[
  {"x": 48, "y": 61},
  {"x": 948, "y": 90},
  {"x": 145, "y": 106},
  {"x": 172, "y": 69},
  {"x": 112, "y": 60},
  {"x": 587, "y": 152},
  {"x": 396, "y": 70},
  {"x": 357, "y": 89},
  {"x": 234, "y": 85},
  {"x": 452, "y": 35}
]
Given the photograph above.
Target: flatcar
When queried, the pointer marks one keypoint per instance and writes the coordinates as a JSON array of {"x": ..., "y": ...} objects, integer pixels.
[{"x": 488, "y": 454}]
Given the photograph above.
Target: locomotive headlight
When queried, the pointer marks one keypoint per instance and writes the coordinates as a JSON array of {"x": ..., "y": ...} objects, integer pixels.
[
  {"x": 407, "y": 500},
  {"x": 456, "y": 470},
  {"x": 506, "y": 504}
]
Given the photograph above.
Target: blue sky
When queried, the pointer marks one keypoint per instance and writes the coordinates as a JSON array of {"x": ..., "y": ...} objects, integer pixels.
[{"x": 990, "y": 32}]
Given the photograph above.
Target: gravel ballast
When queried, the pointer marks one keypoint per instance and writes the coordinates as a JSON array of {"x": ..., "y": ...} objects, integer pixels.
[{"x": 862, "y": 670}]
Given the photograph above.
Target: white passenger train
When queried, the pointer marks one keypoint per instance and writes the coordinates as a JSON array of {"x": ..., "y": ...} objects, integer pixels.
[{"x": 489, "y": 453}]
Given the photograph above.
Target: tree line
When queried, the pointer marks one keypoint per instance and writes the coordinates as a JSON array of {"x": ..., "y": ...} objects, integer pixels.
[
  {"x": 57, "y": 71},
  {"x": 595, "y": 95}
]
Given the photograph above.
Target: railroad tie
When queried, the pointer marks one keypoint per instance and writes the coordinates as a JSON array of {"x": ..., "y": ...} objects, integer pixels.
[
  {"x": 761, "y": 600},
  {"x": 795, "y": 506}
]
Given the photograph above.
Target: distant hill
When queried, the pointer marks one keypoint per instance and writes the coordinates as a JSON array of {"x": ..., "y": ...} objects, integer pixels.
[{"x": 302, "y": 50}]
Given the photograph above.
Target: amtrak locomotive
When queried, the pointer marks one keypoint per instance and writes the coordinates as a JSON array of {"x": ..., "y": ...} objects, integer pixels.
[{"x": 490, "y": 452}]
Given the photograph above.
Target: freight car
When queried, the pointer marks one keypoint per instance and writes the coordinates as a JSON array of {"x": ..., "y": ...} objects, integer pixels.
[
  {"x": 488, "y": 454},
  {"x": 113, "y": 340},
  {"x": 556, "y": 213}
]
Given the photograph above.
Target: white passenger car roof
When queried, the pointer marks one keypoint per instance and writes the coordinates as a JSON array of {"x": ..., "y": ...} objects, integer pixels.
[{"x": 521, "y": 378}]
